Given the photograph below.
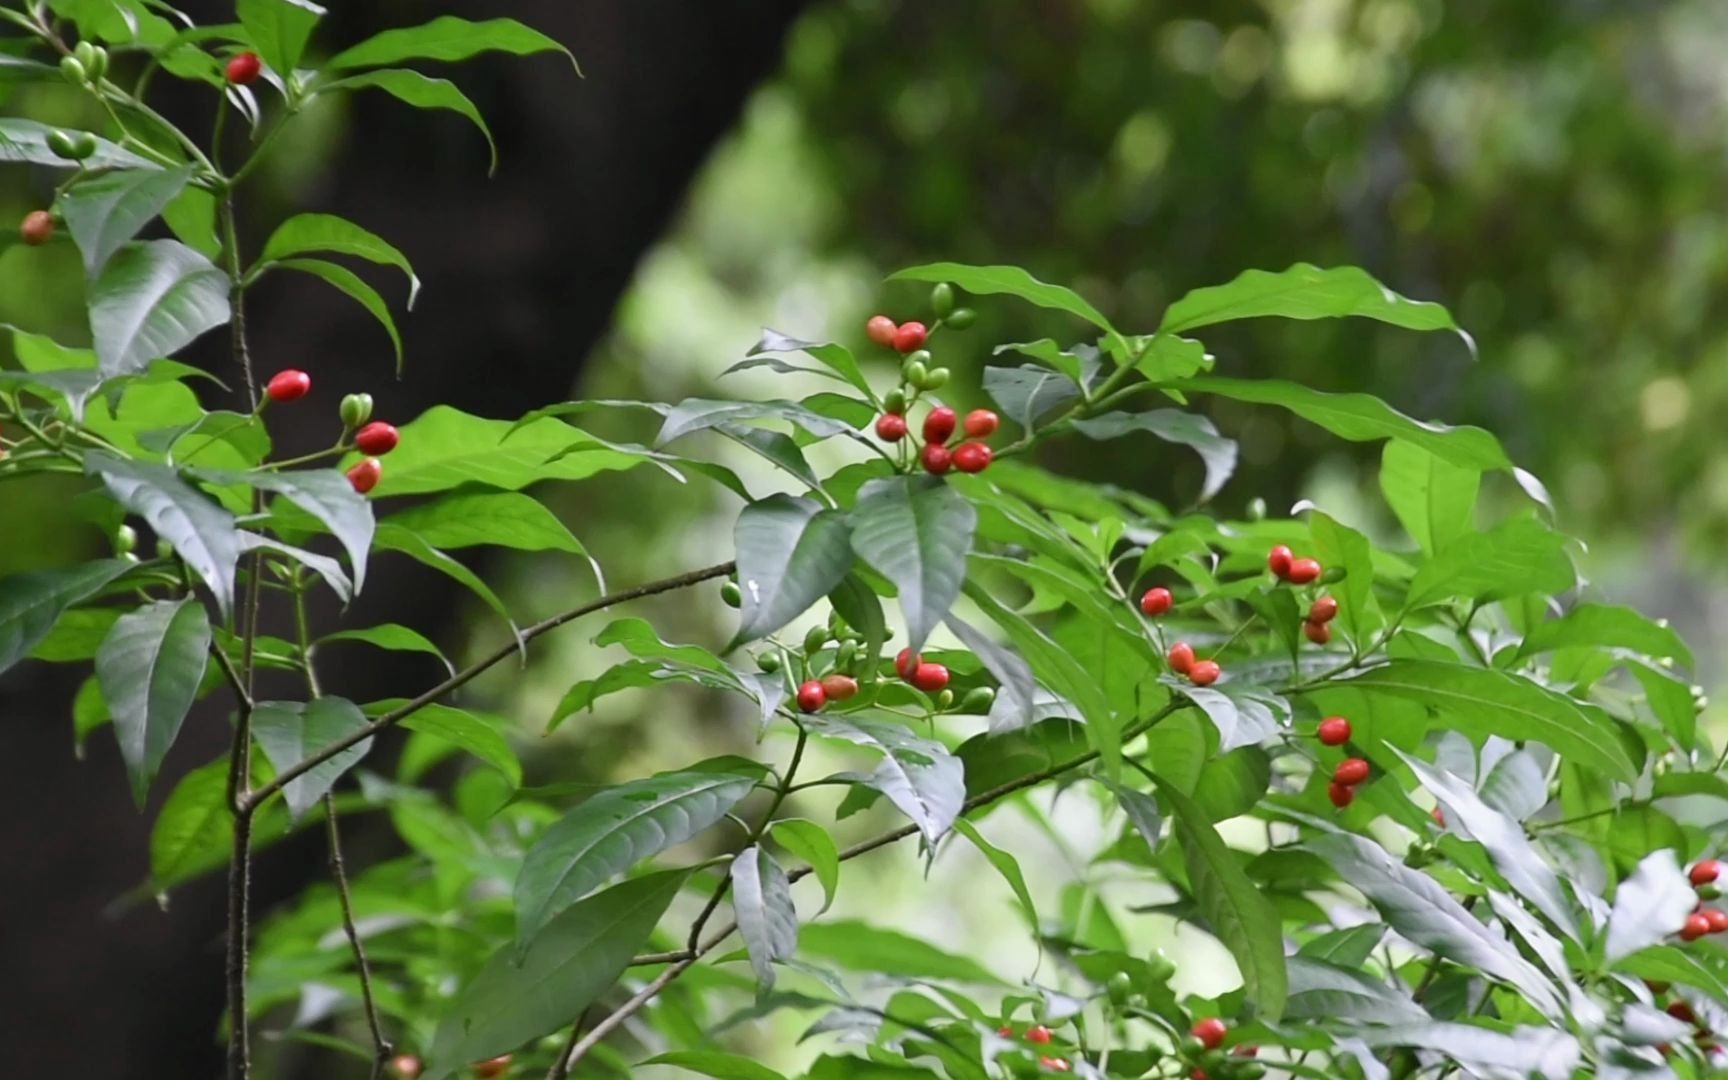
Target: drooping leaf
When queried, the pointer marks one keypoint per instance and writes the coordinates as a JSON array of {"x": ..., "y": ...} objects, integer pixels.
[
  {"x": 1481, "y": 702},
  {"x": 1006, "y": 865},
  {"x": 327, "y": 233},
  {"x": 791, "y": 553},
  {"x": 1303, "y": 292},
  {"x": 1514, "y": 558},
  {"x": 195, "y": 825},
  {"x": 150, "y": 666},
  {"x": 1026, "y": 394},
  {"x": 151, "y": 299},
  {"x": 1433, "y": 498},
  {"x": 498, "y": 518},
  {"x": 1174, "y": 426},
  {"x": 859, "y": 946},
  {"x": 1331, "y": 992},
  {"x": 445, "y": 38},
  {"x": 918, "y": 775},
  {"x": 346, "y": 281},
  {"x": 464, "y": 730},
  {"x": 837, "y": 358},
  {"x": 1242, "y": 715},
  {"x": 32, "y": 602},
  {"x": 1649, "y": 906},
  {"x": 811, "y": 842},
  {"x": 108, "y": 210},
  {"x": 1011, "y": 281},
  {"x": 279, "y": 29},
  {"x": 917, "y": 534},
  {"x": 289, "y": 732},
  {"x": 422, "y": 92},
  {"x": 614, "y": 831},
  {"x": 767, "y": 918},
  {"x": 1236, "y": 910},
  {"x": 1516, "y": 786},
  {"x": 203, "y": 534},
  {"x": 516, "y": 999},
  {"x": 1337, "y": 545},
  {"x": 1141, "y": 809},
  {"x": 700, "y": 414},
  {"x": 1606, "y": 626},
  {"x": 444, "y": 448},
  {"x": 325, "y": 494},
  {"x": 391, "y": 538},
  {"x": 1016, "y": 688}
]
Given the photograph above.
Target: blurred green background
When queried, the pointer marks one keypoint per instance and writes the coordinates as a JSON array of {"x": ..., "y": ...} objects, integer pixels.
[{"x": 1556, "y": 173}]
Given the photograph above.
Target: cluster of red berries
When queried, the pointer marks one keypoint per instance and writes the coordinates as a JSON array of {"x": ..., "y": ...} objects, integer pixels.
[
  {"x": 374, "y": 439},
  {"x": 1038, "y": 1035},
  {"x": 1704, "y": 920},
  {"x": 1322, "y": 611},
  {"x": 1156, "y": 601},
  {"x": 1207, "y": 1036},
  {"x": 932, "y": 678},
  {"x": 408, "y": 1067},
  {"x": 1680, "y": 1010},
  {"x": 939, "y": 425},
  {"x": 902, "y": 338},
  {"x": 1349, "y": 773},
  {"x": 1283, "y": 563}
]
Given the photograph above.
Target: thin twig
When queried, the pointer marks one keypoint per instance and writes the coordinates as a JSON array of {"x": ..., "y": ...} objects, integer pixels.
[
  {"x": 381, "y": 1048},
  {"x": 233, "y": 674},
  {"x": 467, "y": 674},
  {"x": 239, "y": 914}
]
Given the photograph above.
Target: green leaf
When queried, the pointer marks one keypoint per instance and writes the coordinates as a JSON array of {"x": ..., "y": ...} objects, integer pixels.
[
  {"x": 791, "y": 553},
  {"x": 858, "y": 946},
  {"x": 279, "y": 30},
  {"x": 1649, "y": 906},
  {"x": 1548, "y": 1053},
  {"x": 916, "y": 534},
  {"x": 1303, "y": 292},
  {"x": 1025, "y": 394},
  {"x": 700, "y": 414},
  {"x": 445, "y": 448},
  {"x": 856, "y": 602},
  {"x": 1434, "y": 499},
  {"x": 422, "y": 92},
  {"x": 304, "y": 233},
  {"x": 1046, "y": 351},
  {"x": 516, "y": 999},
  {"x": 108, "y": 210},
  {"x": 203, "y": 534},
  {"x": 1141, "y": 809},
  {"x": 1606, "y": 626},
  {"x": 498, "y": 518},
  {"x": 811, "y": 842},
  {"x": 715, "y": 1064},
  {"x": 1243, "y": 716},
  {"x": 767, "y": 918},
  {"x": 1324, "y": 991},
  {"x": 77, "y": 635},
  {"x": 1016, "y": 688},
  {"x": 1237, "y": 911},
  {"x": 325, "y": 494},
  {"x": 1175, "y": 426},
  {"x": 1514, "y": 558},
  {"x": 1341, "y": 546},
  {"x": 194, "y": 827},
  {"x": 1011, "y": 281},
  {"x": 25, "y": 142},
  {"x": 348, "y": 282},
  {"x": 32, "y": 602},
  {"x": 1482, "y": 703},
  {"x": 391, "y": 538},
  {"x": 919, "y": 776},
  {"x": 837, "y": 358},
  {"x": 467, "y": 731},
  {"x": 292, "y": 731},
  {"x": 1165, "y": 358},
  {"x": 614, "y": 831},
  {"x": 639, "y": 638},
  {"x": 1360, "y": 418},
  {"x": 1672, "y": 963},
  {"x": 446, "y": 38},
  {"x": 150, "y": 666},
  {"x": 1006, "y": 865},
  {"x": 1419, "y": 908},
  {"x": 153, "y": 298},
  {"x": 192, "y": 216}
]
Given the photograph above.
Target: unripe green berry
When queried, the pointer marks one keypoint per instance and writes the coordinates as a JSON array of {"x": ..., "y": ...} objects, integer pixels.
[
  {"x": 894, "y": 402},
  {"x": 769, "y": 662},
  {"x": 86, "y": 54},
  {"x": 61, "y": 143},
  {"x": 978, "y": 700},
  {"x": 942, "y": 299},
  {"x": 1334, "y": 574},
  {"x": 846, "y": 655},
  {"x": 1160, "y": 968},
  {"x": 73, "y": 70},
  {"x": 1120, "y": 988},
  {"x": 732, "y": 594},
  {"x": 960, "y": 318},
  {"x": 1256, "y": 509},
  {"x": 94, "y": 58},
  {"x": 356, "y": 409},
  {"x": 125, "y": 540},
  {"x": 1709, "y": 892},
  {"x": 937, "y": 379},
  {"x": 916, "y": 374},
  {"x": 1215, "y": 1058},
  {"x": 815, "y": 639},
  {"x": 944, "y": 700},
  {"x": 1191, "y": 1047},
  {"x": 164, "y": 550}
]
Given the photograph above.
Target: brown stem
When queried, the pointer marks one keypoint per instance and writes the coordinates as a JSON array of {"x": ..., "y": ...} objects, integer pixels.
[
  {"x": 467, "y": 674},
  {"x": 239, "y": 902},
  {"x": 381, "y": 1048}
]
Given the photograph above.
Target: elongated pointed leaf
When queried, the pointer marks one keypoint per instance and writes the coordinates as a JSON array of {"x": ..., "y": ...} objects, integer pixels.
[
  {"x": 446, "y": 38},
  {"x": 836, "y": 358},
  {"x": 467, "y": 731},
  {"x": 346, "y": 281},
  {"x": 507, "y": 519},
  {"x": 1174, "y": 426},
  {"x": 1325, "y": 991},
  {"x": 1649, "y": 906},
  {"x": 444, "y": 448},
  {"x": 791, "y": 553},
  {"x": 917, "y": 535},
  {"x": 194, "y": 829},
  {"x": 203, "y": 534},
  {"x": 919, "y": 776},
  {"x": 279, "y": 29},
  {"x": 516, "y": 999},
  {"x": 858, "y": 946},
  {"x": 292, "y": 731},
  {"x": 1012, "y": 281},
  {"x": 1525, "y": 1051},
  {"x": 26, "y": 142},
  {"x": 1237, "y": 911},
  {"x": 767, "y": 918},
  {"x": 1026, "y": 394},
  {"x": 152, "y": 299},
  {"x": 1012, "y": 708},
  {"x": 392, "y": 538},
  {"x": 1606, "y": 626},
  {"x": 1514, "y": 558},
  {"x": 150, "y": 666},
  {"x": 1141, "y": 809},
  {"x": 1434, "y": 499},
  {"x": 1303, "y": 292},
  {"x": 1006, "y": 865},
  {"x": 716, "y": 1064},
  {"x": 108, "y": 210},
  {"x": 614, "y": 831},
  {"x": 1481, "y": 702},
  {"x": 32, "y": 602},
  {"x": 326, "y": 233},
  {"x": 1338, "y": 545},
  {"x": 325, "y": 494},
  {"x": 811, "y": 842},
  {"x": 422, "y": 92}
]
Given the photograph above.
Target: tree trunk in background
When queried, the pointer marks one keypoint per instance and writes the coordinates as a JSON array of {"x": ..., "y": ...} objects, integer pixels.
[{"x": 521, "y": 275}]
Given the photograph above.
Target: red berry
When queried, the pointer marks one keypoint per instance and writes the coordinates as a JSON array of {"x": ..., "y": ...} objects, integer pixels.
[
  {"x": 1718, "y": 920},
  {"x": 1334, "y": 731},
  {"x": 404, "y": 1067},
  {"x": 1439, "y": 816},
  {"x": 1039, "y": 1035},
  {"x": 909, "y": 337},
  {"x": 1204, "y": 672},
  {"x": 1323, "y": 610},
  {"x": 1278, "y": 561},
  {"x": 243, "y": 70},
  {"x": 1340, "y": 795},
  {"x": 890, "y": 427},
  {"x": 937, "y": 459},
  {"x": 497, "y": 1066},
  {"x": 1682, "y": 1012},
  {"x": 939, "y": 425},
  {"x": 906, "y": 663},
  {"x": 930, "y": 678},
  {"x": 1198, "y": 1074},
  {"x": 365, "y": 474},
  {"x": 1350, "y": 772},
  {"x": 1246, "y": 1050},
  {"x": 1053, "y": 1064},
  {"x": 839, "y": 687},
  {"x": 1303, "y": 571},
  {"x": 1005, "y": 1031},
  {"x": 972, "y": 457},
  {"x": 289, "y": 385},
  {"x": 981, "y": 423},
  {"x": 1181, "y": 657},
  {"x": 880, "y": 329},
  {"x": 1696, "y": 927},
  {"x": 1156, "y": 601},
  {"x": 811, "y": 696},
  {"x": 377, "y": 439},
  {"x": 38, "y": 228},
  {"x": 1210, "y": 1032},
  {"x": 1704, "y": 871},
  {"x": 1317, "y": 632}
]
